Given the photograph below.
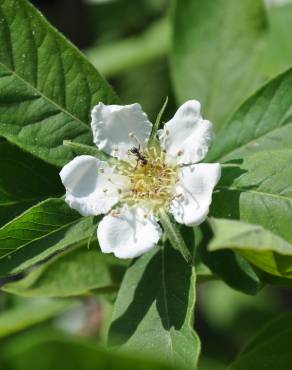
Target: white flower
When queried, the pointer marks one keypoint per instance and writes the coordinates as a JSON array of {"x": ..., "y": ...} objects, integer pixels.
[{"x": 148, "y": 176}]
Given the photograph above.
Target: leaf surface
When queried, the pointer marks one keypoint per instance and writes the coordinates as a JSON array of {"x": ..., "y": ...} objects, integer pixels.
[
  {"x": 74, "y": 272},
  {"x": 258, "y": 189},
  {"x": 260, "y": 246},
  {"x": 39, "y": 232},
  {"x": 153, "y": 313},
  {"x": 47, "y": 87},
  {"x": 216, "y": 50},
  {"x": 24, "y": 181},
  {"x": 263, "y": 122}
]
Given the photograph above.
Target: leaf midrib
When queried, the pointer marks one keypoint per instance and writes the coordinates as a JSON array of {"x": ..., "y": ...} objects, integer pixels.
[
  {"x": 261, "y": 193},
  {"x": 59, "y": 107},
  {"x": 39, "y": 238},
  {"x": 226, "y": 156}
]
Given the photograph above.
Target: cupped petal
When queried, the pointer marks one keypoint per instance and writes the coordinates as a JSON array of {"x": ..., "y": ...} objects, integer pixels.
[
  {"x": 193, "y": 193},
  {"x": 187, "y": 137},
  {"x": 92, "y": 186},
  {"x": 128, "y": 232},
  {"x": 118, "y": 128}
]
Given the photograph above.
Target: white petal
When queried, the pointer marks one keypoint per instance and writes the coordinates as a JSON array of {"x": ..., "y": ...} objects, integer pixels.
[
  {"x": 112, "y": 126},
  {"x": 92, "y": 186},
  {"x": 193, "y": 193},
  {"x": 186, "y": 137},
  {"x": 128, "y": 232}
]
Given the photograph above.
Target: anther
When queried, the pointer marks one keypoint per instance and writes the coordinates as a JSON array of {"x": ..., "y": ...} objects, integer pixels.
[
  {"x": 101, "y": 170},
  {"x": 180, "y": 152}
]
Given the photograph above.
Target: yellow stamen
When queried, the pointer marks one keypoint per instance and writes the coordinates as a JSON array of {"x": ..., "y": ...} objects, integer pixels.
[{"x": 152, "y": 184}]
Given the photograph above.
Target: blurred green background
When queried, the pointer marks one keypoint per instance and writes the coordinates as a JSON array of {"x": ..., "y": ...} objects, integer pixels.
[{"x": 129, "y": 42}]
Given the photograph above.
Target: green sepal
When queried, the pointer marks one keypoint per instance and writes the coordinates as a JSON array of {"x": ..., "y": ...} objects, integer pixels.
[{"x": 174, "y": 236}]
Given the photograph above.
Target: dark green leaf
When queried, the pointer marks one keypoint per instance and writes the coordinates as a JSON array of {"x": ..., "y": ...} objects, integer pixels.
[
  {"x": 271, "y": 349},
  {"x": 232, "y": 268},
  {"x": 24, "y": 181},
  {"x": 47, "y": 88},
  {"x": 154, "y": 310},
  {"x": 72, "y": 273}
]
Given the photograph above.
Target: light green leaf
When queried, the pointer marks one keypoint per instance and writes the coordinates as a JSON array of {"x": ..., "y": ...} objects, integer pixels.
[
  {"x": 154, "y": 310},
  {"x": 47, "y": 87},
  {"x": 72, "y": 273},
  {"x": 258, "y": 189},
  {"x": 260, "y": 246},
  {"x": 42, "y": 349},
  {"x": 120, "y": 56},
  {"x": 216, "y": 49},
  {"x": 30, "y": 312},
  {"x": 24, "y": 181},
  {"x": 278, "y": 55},
  {"x": 42, "y": 230},
  {"x": 263, "y": 122},
  {"x": 271, "y": 349}
]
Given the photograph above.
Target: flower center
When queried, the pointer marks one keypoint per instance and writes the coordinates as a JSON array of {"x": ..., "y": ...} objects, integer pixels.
[{"x": 152, "y": 180}]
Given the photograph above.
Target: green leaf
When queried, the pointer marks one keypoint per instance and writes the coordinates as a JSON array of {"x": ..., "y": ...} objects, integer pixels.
[
  {"x": 258, "y": 189},
  {"x": 216, "y": 50},
  {"x": 24, "y": 181},
  {"x": 76, "y": 272},
  {"x": 44, "y": 349},
  {"x": 30, "y": 312},
  {"x": 154, "y": 310},
  {"x": 232, "y": 268},
  {"x": 117, "y": 57},
  {"x": 47, "y": 87},
  {"x": 271, "y": 349},
  {"x": 39, "y": 232},
  {"x": 278, "y": 55},
  {"x": 263, "y": 122},
  {"x": 174, "y": 236},
  {"x": 264, "y": 249}
]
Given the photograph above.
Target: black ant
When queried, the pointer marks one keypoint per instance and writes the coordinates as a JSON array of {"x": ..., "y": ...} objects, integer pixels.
[{"x": 140, "y": 157}]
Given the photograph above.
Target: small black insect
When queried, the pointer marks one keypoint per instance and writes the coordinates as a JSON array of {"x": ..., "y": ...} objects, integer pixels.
[{"x": 140, "y": 157}]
